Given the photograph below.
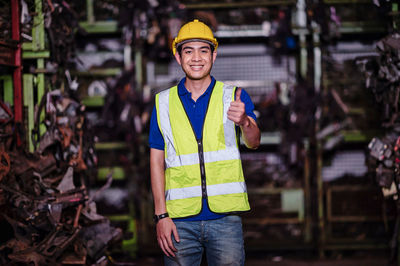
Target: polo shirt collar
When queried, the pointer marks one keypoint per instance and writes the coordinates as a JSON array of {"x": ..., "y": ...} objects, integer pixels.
[{"x": 182, "y": 89}]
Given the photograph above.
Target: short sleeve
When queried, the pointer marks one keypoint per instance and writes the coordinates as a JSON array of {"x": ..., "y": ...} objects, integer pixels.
[
  {"x": 249, "y": 106},
  {"x": 156, "y": 139}
]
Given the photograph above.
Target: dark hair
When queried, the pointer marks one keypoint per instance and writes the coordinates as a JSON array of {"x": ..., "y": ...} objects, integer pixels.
[{"x": 179, "y": 48}]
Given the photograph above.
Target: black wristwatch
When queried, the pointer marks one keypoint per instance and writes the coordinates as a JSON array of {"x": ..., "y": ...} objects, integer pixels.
[{"x": 157, "y": 218}]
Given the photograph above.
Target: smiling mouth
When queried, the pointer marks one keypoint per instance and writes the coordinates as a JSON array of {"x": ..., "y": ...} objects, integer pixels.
[{"x": 196, "y": 67}]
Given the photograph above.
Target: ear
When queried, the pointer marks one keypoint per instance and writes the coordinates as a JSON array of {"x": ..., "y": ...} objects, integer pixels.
[
  {"x": 178, "y": 57},
  {"x": 214, "y": 56}
]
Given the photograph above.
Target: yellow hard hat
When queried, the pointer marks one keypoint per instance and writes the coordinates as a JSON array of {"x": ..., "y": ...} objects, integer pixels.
[{"x": 194, "y": 30}]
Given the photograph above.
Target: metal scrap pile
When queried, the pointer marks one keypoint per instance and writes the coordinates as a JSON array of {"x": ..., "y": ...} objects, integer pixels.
[
  {"x": 150, "y": 25},
  {"x": 44, "y": 199},
  {"x": 61, "y": 27},
  {"x": 289, "y": 110},
  {"x": 382, "y": 77},
  {"x": 5, "y": 22}
]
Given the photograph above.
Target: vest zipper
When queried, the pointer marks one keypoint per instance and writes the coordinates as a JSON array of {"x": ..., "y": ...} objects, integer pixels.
[
  {"x": 200, "y": 146},
  {"x": 202, "y": 168}
]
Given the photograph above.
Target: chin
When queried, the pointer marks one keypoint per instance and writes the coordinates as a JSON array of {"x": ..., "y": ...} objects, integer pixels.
[{"x": 197, "y": 77}]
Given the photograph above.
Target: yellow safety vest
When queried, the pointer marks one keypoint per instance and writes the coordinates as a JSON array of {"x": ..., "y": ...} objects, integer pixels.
[{"x": 209, "y": 167}]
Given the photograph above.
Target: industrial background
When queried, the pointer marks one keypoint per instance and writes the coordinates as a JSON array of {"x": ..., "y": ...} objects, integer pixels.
[{"x": 77, "y": 86}]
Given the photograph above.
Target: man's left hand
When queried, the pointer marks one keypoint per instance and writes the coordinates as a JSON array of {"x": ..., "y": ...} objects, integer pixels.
[{"x": 237, "y": 111}]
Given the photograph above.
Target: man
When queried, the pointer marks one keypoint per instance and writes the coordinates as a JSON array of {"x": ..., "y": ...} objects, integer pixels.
[{"x": 196, "y": 172}]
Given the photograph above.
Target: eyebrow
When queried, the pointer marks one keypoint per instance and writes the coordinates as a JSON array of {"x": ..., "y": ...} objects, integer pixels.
[{"x": 202, "y": 47}]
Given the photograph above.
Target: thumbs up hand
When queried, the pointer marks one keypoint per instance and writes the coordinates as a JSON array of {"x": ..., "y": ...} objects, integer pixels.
[{"x": 237, "y": 112}]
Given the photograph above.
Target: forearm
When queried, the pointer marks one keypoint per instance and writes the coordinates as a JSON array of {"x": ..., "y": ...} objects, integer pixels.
[
  {"x": 158, "y": 180},
  {"x": 251, "y": 133},
  {"x": 165, "y": 227}
]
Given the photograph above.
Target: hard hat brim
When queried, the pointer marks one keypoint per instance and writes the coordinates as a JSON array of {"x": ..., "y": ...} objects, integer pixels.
[{"x": 194, "y": 40}]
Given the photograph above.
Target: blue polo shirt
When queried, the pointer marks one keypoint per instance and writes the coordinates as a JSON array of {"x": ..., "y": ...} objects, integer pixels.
[{"x": 196, "y": 111}]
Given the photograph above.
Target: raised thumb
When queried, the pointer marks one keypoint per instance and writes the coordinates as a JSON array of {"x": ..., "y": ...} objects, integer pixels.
[{"x": 238, "y": 93}]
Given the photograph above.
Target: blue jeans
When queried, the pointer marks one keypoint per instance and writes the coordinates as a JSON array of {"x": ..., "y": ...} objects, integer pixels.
[{"x": 222, "y": 240}]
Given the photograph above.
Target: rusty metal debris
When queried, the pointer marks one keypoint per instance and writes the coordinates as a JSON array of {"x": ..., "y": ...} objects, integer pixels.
[
  {"x": 382, "y": 76},
  {"x": 44, "y": 199}
]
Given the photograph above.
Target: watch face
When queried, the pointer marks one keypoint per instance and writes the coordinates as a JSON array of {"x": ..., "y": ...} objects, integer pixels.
[{"x": 159, "y": 217}]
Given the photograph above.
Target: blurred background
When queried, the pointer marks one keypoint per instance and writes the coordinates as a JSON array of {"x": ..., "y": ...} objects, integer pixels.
[{"x": 77, "y": 86}]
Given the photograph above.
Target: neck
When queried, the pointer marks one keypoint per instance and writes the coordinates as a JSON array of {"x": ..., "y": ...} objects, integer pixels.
[{"x": 197, "y": 87}]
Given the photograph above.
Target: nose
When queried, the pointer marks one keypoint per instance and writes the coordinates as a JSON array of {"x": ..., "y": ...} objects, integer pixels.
[{"x": 196, "y": 56}]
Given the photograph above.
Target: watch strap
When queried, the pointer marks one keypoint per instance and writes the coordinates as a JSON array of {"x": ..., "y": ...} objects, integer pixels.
[{"x": 159, "y": 217}]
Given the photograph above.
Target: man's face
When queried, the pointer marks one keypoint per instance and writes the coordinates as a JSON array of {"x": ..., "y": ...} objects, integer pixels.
[{"x": 196, "y": 59}]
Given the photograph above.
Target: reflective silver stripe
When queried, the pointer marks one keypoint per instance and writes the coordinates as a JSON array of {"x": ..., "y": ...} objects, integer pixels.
[
  {"x": 229, "y": 126},
  {"x": 163, "y": 103},
  {"x": 212, "y": 190},
  {"x": 183, "y": 193},
  {"x": 230, "y": 153},
  {"x": 227, "y": 188},
  {"x": 186, "y": 159}
]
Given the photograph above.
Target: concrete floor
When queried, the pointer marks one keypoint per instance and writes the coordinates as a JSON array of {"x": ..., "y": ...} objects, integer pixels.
[
  {"x": 288, "y": 262},
  {"x": 259, "y": 259},
  {"x": 316, "y": 262}
]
